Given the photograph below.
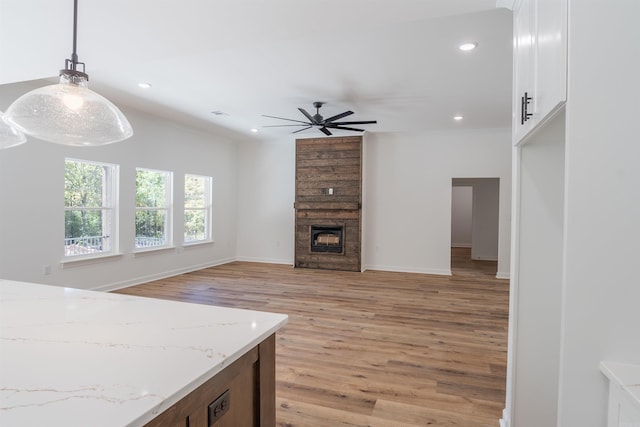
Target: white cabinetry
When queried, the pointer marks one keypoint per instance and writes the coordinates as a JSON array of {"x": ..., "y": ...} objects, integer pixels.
[
  {"x": 540, "y": 63},
  {"x": 535, "y": 310},
  {"x": 624, "y": 394}
]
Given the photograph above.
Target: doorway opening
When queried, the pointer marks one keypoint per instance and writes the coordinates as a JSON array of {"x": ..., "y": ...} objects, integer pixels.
[{"x": 475, "y": 204}]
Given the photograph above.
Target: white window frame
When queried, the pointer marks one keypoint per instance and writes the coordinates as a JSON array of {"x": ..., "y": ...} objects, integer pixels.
[
  {"x": 167, "y": 208},
  {"x": 207, "y": 208},
  {"x": 108, "y": 240}
]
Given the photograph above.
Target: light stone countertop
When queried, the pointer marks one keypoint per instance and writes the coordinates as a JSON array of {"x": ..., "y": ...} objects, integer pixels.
[{"x": 72, "y": 357}]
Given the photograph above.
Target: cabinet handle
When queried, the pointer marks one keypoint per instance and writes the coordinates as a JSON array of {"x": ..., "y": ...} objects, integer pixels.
[{"x": 524, "y": 107}]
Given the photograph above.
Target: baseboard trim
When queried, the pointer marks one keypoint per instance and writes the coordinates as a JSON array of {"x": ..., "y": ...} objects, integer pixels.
[
  {"x": 503, "y": 275},
  {"x": 437, "y": 272},
  {"x": 165, "y": 274},
  {"x": 266, "y": 260},
  {"x": 504, "y": 421}
]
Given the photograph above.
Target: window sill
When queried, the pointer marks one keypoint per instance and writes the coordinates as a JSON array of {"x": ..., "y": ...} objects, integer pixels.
[
  {"x": 150, "y": 251},
  {"x": 80, "y": 261},
  {"x": 198, "y": 243}
]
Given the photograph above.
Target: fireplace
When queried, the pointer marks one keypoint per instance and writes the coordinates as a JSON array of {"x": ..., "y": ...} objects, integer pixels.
[
  {"x": 327, "y": 238},
  {"x": 328, "y": 203}
]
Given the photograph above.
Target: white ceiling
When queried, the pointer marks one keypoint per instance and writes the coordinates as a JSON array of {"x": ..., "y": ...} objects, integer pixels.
[{"x": 395, "y": 61}]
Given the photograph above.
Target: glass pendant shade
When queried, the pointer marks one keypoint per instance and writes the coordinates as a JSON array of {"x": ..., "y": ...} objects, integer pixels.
[
  {"x": 9, "y": 136},
  {"x": 69, "y": 113}
]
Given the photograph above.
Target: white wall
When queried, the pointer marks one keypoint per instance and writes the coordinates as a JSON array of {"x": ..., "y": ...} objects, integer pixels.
[
  {"x": 601, "y": 305},
  {"x": 406, "y": 204},
  {"x": 536, "y": 302},
  {"x": 408, "y": 200},
  {"x": 485, "y": 215},
  {"x": 461, "y": 216},
  {"x": 32, "y": 202},
  {"x": 266, "y": 192},
  {"x": 486, "y": 210}
]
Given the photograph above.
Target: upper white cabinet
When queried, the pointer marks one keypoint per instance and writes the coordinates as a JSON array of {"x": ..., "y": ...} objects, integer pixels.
[
  {"x": 624, "y": 393},
  {"x": 540, "y": 63}
]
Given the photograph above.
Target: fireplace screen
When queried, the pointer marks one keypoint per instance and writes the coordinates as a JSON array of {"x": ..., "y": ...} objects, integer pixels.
[{"x": 326, "y": 238}]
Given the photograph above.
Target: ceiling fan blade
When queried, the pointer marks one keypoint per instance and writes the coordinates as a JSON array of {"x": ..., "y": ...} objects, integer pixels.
[
  {"x": 282, "y": 118},
  {"x": 338, "y": 116},
  {"x": 325, "y": 131},
  {"x": 307, "y": 115},
  {"x": 362, "y": 122},
  {"x": 344, "y": 128},
  {"x": 300, "y": 130}
]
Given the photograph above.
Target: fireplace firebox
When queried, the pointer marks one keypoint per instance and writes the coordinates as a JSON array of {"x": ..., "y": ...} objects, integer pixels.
[{"x": 327, "y": 238}]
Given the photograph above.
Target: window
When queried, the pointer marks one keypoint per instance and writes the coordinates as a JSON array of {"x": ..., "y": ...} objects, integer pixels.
[
  {"x": 90, "y": 214},
  {"x": 153, "y": 208},
  {"x": 197, "y": 208}
]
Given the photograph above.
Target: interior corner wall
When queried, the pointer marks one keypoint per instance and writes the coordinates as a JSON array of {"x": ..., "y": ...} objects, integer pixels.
[
  {"x": 266, "y": 192},
  {"x": 408, "y": 180},
  {"x": 486, "y": 210},
  {"x": 461, "y": 216},
  {"x": 406, "y": 196},
  {"x": 407, "y": 205},
  {"x": 32, "y": 202}
]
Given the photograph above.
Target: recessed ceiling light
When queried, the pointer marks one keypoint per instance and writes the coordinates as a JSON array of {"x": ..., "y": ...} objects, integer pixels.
[
  {"x": 254, "y": 130},
  {"x": 144, "y": 85},
  {"x": 467, "y": 46},
  {"x": 458, "y": 118}
]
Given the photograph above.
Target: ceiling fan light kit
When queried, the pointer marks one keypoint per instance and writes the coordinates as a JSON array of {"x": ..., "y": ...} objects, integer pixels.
[
  {"x": 69, "y": 112},
  {"x": 324, "y": 125}
]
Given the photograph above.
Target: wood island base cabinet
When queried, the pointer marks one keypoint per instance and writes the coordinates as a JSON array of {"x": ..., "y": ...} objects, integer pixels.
[{"x": 241, "y": 395}]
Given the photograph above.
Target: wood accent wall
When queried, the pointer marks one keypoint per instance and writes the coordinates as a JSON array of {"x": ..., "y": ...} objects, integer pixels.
[{"x": 321, "y": 164}]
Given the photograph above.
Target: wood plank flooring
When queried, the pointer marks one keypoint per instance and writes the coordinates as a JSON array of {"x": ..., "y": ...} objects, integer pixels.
[{"x": 373, "y": 348}]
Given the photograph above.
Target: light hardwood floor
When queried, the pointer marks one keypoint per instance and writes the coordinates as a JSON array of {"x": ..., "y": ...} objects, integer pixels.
[{"x": 373, "y": 348}]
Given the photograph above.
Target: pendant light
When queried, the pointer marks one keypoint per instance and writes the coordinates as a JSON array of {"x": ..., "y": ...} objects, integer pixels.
[
  {"x": 9, "y": 136},
  {"x": 69, "y": 112}
]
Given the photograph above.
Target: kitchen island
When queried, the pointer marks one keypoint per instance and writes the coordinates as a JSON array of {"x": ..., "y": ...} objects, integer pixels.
[{"x": 72, "y": 357}]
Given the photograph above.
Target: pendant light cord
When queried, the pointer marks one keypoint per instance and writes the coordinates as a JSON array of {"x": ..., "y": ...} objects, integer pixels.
[
  {"x": 74, "y": 54},
  {"x": 71, "y": 65}
]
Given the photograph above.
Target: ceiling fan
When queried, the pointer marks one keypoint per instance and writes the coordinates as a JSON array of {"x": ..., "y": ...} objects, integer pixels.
[{"x": 320, "y": 122}]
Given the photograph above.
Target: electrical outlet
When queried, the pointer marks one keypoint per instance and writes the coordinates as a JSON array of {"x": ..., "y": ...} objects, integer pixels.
[
  {"x": 219, "y": 407},
  {"x": 46, "y": 269}
]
